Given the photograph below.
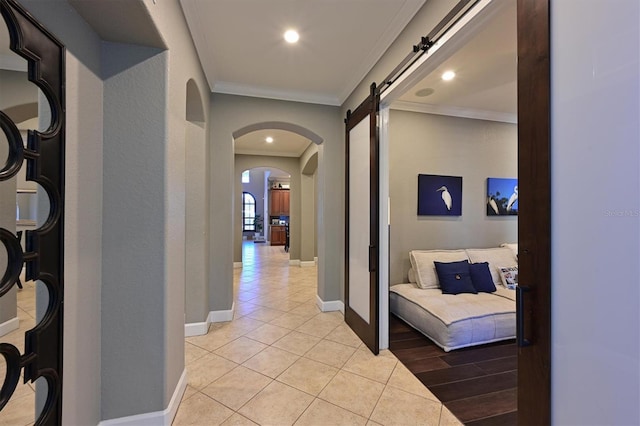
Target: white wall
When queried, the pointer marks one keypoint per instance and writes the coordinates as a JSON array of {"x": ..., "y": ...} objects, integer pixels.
[
  {"x": 441, "y": 145},
  {"x": 595, "y": 205}
]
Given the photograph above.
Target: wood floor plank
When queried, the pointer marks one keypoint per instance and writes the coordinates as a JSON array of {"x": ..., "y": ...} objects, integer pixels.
[
  {"x": 451, "y": 374},
  {"x": 477, "y": 384},
  {"x": 474, "y": 387},
  {"x": 406, "y": 335},
  {"x": 425, "y": 364},
  {"x": 499, "y": 365},
  {"x": 507, "y": 419},
  {"x": 407, "y": 344},
  {"x": 485, "y": 406},
  {"x": 412, "y": 354},
  {"x": 483, "y": 353}
]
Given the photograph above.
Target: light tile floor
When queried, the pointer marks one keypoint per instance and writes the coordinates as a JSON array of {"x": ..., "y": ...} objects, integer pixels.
[
  {"x": 282, "y": 362},
  {"x": 279, "y": 362}
]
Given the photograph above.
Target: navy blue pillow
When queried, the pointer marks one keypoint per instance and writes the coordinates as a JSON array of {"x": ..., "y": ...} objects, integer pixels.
[
  {"x": 481, "y": 277},
  {"x": 454, "y": 277}
]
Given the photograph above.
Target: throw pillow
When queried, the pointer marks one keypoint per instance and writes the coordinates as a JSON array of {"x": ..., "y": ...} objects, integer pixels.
[
  {"x": 422, "y": 264},
  {"x": 454, "y": 277},
  {"x": 481, "y": 277},
  {"x": 509, "y": 276}
]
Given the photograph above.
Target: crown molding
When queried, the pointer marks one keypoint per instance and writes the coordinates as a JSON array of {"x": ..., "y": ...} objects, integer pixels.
[
  {"x": 270, "y": 93},
  {"x": 266, "y": 153},
  {"x": 475, "y": 114}
]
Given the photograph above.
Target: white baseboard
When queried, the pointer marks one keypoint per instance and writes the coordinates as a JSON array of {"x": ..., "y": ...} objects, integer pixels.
[
  {"x": 164, "y": 417},
  {"x": 202, "y": 328},
  {"x": 307, "y": 263},
  {"x": 237, "y": 265},
  {"x": 315, "y": 259},
  {"x": 330, "y": 306},
  {"x": 196, "y": 329},
  {"x": 221, "y": 316},
  {"x": 8, "y": 326},
  {"x": 294, "y": 262}
]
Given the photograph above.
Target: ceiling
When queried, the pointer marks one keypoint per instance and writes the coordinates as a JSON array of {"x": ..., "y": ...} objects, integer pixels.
[
  {"x": 242, "y": 51},
  {"x": 485, "y": 85}
]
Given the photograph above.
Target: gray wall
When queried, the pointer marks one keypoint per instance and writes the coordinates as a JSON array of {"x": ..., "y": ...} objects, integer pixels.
[
  {"x": 8, "y": 308},
  {"x": 83, "y": 210},
  {"x": 151, "y": 89},
  {"x": 441, "y": 145},
  {"x": 196, "y": 225},
  {"x": 595, "y": 206},
  {"x": 16, "y": 90},
  {"x": 133, "y": 270},
  {"x": 308, "y": 203},
  {"x": 256, "y": 187}
]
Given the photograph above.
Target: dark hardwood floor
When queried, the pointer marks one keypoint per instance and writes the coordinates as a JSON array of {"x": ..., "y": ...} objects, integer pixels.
[{"x": 478, "y": 385}]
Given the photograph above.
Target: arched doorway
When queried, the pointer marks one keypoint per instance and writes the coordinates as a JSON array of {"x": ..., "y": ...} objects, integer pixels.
[{"x": 196, "y": 212}]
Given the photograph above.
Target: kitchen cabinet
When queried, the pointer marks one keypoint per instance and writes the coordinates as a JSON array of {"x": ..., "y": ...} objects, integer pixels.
[
  {"x": 279, "y": 202},
  {"x": 278, "y": 235}
]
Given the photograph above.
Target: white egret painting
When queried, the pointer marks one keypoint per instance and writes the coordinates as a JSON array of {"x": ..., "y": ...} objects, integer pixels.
[
  {"x": 439, "y": 195},
  {"x": 502, "y": 197}
]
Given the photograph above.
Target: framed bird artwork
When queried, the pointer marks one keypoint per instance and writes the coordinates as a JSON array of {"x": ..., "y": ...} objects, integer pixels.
[
  {"x": 502, "y": 197},
  {"x": 439, "y": 195}
]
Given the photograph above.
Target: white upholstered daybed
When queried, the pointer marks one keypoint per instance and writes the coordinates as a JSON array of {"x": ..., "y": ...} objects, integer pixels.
[{"x": 456, "y": 321}]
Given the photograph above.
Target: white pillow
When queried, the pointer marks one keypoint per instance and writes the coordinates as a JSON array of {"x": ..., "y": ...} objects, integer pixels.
[
  {"x": 497, "y": 257},
  {"x": 512, "y": 246},
  {"x": 412, "y": 276},
  {"x": 422, "y": 264},
  {"x": 509, "y": 276}
]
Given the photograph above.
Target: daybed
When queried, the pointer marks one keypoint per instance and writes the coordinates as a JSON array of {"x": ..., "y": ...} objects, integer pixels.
[{"x": 464, "y": 318}]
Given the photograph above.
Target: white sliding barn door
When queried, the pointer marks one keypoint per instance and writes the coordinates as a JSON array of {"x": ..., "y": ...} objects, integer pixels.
[{"x": 362, "y": 221}]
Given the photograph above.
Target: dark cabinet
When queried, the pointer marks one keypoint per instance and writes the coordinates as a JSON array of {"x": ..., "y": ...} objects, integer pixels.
[
  {"x": 278, "y": 235},
  {"x": 279, "y": 202}
]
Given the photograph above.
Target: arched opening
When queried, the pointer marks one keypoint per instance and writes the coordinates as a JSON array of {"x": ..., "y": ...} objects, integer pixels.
[
  {"x": 283, "y": 168},
  {"x": 196, "y": 212}
]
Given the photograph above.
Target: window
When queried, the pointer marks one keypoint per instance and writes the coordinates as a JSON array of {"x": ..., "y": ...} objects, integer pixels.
[
  {"x": 246, "y": 177},
  {"x": 248, "y": 212}
]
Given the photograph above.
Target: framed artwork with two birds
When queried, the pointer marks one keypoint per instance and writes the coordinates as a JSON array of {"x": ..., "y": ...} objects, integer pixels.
[
  {"x": 502, "y": 197},
  {"x": 439, "y": 195}
]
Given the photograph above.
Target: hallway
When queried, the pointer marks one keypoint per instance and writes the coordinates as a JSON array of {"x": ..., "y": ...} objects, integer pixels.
[{"x": 281, "y": 361}]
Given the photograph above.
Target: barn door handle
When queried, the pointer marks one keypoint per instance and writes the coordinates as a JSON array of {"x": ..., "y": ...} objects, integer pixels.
[
  {"x": 373, "y": 258},
  {"x": 520, "y": 292}
]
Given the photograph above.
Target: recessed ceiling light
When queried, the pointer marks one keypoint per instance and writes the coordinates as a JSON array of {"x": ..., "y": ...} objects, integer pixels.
[
  {"x": 448, "y": 75},
  {"x": 291, "y": 36},
  {"x": 269, "y": 139},
  {"x": 425, "y": 92}
]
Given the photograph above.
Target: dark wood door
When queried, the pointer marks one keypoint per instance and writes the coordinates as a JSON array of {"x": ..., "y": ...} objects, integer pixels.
[
  {"x": 534, "y": 215},
  {"x": 362, "y": 221}
]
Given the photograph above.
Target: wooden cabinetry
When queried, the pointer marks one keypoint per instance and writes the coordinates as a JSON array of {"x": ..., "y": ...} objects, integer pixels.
[
  {"x": 278, "y": 235},
  {"x": 279, "y": 202}
]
